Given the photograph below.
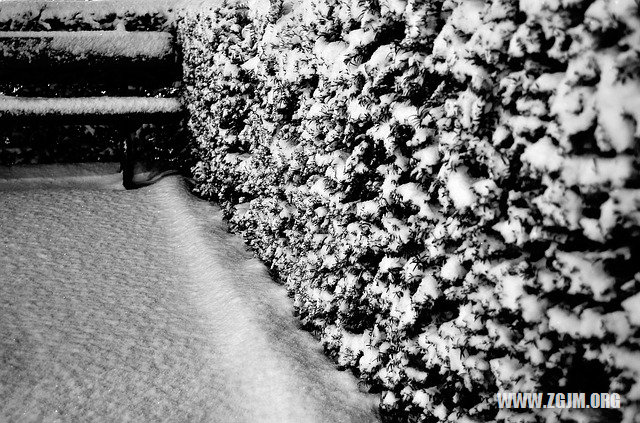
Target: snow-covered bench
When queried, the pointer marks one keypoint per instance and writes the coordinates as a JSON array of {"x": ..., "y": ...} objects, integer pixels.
[{"x": 80, "y": 56}]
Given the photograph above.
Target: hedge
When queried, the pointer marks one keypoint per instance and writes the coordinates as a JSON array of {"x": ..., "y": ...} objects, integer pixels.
[
  {"x": 75, "y": 15},
  {"x": 448, "y": 189}
]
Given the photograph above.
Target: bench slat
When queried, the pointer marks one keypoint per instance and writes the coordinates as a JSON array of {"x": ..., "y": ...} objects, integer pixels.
[
  {"x": 87, "y": 108},
  {"x": 62, "y": 46}
]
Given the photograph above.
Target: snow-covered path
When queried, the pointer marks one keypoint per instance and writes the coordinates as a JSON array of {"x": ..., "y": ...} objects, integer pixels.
[{"x": 139, "y": 306}]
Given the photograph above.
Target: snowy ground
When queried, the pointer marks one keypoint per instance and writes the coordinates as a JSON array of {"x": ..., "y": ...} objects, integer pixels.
[{"x": 138, "y": 305}]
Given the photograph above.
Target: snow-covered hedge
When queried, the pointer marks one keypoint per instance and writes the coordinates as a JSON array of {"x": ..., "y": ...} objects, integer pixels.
[
  {"x": 75, "y": 15},
  {"x": 448, "y": 189}
]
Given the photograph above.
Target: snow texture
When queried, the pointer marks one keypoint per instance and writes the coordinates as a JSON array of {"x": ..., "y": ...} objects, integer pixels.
[{"x": 139, "y": 306}]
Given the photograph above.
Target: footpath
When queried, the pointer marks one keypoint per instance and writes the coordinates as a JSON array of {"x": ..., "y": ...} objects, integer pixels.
[{"x": 139, "y": 306}]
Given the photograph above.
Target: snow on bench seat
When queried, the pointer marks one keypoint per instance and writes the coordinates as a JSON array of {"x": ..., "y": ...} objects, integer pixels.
[
  {"x": 34, "y": 108},
  {"x": 62, "y": 46}
]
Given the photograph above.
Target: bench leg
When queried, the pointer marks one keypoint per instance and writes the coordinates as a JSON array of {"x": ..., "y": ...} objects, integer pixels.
[{"x": 129, "y": 157}]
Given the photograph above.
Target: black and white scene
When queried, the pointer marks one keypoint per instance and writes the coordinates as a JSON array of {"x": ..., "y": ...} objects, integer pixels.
[{"x": 320, "y": 211}]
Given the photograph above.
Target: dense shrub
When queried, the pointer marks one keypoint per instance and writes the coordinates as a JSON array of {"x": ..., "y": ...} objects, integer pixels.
[
  {"x": 448, "y": 189},
  {"x": 47, "y": 15}
]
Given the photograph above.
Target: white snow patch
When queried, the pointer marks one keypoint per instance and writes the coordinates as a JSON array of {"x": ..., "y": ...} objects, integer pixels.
[
  {"x": 632, "y": 306},
  {"x": 467, "y": 17},
  {"x": 460, "y": 189},
  {"x": 452, "y": 269},
  {"x": 428, "y": 288},
  {"x": 587, "y": 325}
]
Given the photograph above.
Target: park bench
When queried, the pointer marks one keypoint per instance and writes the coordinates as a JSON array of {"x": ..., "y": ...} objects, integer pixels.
[{"x": 90, "y": 58}]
